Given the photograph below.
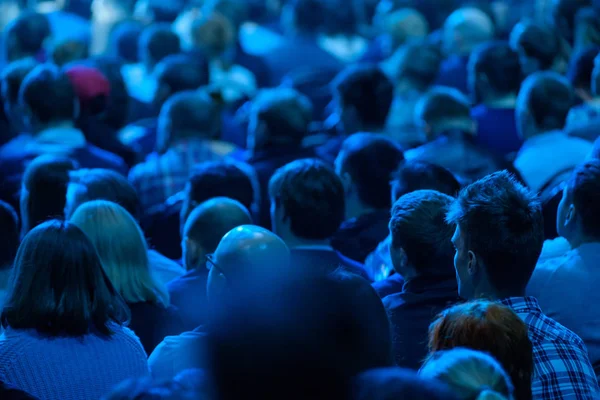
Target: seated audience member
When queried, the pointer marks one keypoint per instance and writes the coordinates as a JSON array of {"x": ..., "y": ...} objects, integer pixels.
[
  {"x": 301, "y": 20},
  {"x": 13, "y": 76},
  {"x": 494, "y": 81},
  {"x": 307, "y": 208},
  {"x": 414, "y": 72},
  {"x": 470, "y": 374},
  {"x": 351, "y": 87},
  {"x": 47, "y": 97},
  {"x": 539, "y": 48},
  {"x": 245, "y": 254},
  {"x": 67, "y": 51},
  {"x": 335, "y": 323},
  {"x": 9, "y": 224},
  {"x": 24, "y": 37},
  {"x": 188, "y": 128},
  {"x": 587, "y": 28},
  {"x": 279, "y": 121},
  {"x": 422, "y": 254},
  {"x": 64, "y": 319},
  {"x": 498, "y": 239},
  {"x": 365, "y": 165},
  {"x": 202, "y": 232},
  {"x": 411, "y": 176},
  {"x": 548, "y": 153},
  {"x": 491, "y": 328},
  {"x": 123, "y": 253},
  {"x": 564, "y": 14},
  {"x": 44, "y": 190},
  {"x": 585, "y": 78},
  {"x": 175, "y": 74},
  {"x": 463, "y": 31},
  {"x": 564, "y": 284},
  {"x": 444, "y": 114},
  {"x": 397, "y": 383},
  {"x": 100, "y": 184}
]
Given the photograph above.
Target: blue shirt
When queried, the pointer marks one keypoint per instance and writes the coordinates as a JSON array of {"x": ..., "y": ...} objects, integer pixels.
[{"x": 497, "y": 129}]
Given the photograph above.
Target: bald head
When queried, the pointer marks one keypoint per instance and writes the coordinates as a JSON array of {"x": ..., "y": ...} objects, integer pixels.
[
  {"x": 406, "y": 24},
  {"x": 465, "y": 29}
]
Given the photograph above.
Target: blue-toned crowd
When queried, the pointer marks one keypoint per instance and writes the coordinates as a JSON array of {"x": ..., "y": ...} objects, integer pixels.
[{"x": 299, "y": 199}]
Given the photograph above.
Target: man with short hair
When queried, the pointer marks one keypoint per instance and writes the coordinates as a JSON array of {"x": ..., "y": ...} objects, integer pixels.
[
  {"x": 24, "y": 37},
  {"x": 307, "y": 208},
  {"x": 188, "y": 127},
  {"x": 548, "y": 154},
  {"x": 539, "y": 48},
  {"x": 12, "y": 78},
  {"x": 203, "y": 231},
  {"x": 494, "y": 81},
  {"x": 564, "y": 284},
  {"x": 365, "y": 165},
  {"x": 498, "y": 239},
  {"x": 422, "y": 254},
  {"x": 247, "y": 255}
]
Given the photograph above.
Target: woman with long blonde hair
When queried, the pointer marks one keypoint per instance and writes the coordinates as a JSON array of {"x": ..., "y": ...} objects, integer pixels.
[{"x": 123, "y": 251}]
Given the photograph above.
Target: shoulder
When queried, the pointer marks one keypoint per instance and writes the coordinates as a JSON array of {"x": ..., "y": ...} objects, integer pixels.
[
  {"x": 127, "y": 338},
  {"x": 545, "y": 331},
  {"x": 105, "y": 158}
]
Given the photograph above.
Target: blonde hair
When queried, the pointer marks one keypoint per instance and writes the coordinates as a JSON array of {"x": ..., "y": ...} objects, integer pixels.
[
  {"x": 123, "y": 251},
  {"x": 470, "y": 374}
]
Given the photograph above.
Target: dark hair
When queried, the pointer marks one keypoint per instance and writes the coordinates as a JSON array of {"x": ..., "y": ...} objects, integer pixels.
[
  {"x": 548, "y": 97},
  {"x": 500, "y": 64},
  {"x": 368, "y": 90},
  {"x": 125, "y": 40},
  {"x": 312, "y": 196},
  {"x": 502, "y": 224},
  {"x": 418, "y": 226},
  {"x": 45, "y": 183},
  {"x": 490, "y": 327},
  {"x": 25, "y": 35},
  {"x": 157, "y": 42},
  {"x": 9, "y": 223},
  {"x": 104, "y": 184},
  {"x": 13, "y": 76},
  {"x": 237, "y": 12},
  {"x": 49, "y": 94},
  {"x": 581, "y": 67},
  {"x": 420, "y": 63},
  {"x": 443, "y": 103},
  {"x": 539, "y": 42},
  {"x": 60, "y": 287},
  {"x": 309, "y": 15},
  {"x": 584, "y": 190},
  {"x": 564, "y": 12},
  {"x": 370, "y": 160},
  {"x": 182, "y": 72},
  {"x": 419, "y": 175}
]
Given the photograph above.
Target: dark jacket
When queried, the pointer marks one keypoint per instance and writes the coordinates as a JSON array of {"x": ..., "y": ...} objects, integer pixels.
[
  {"x": 323, "y": 260},
  {"x": 392, "y": 285},
  {"x": 161, "y": 226},
  {"x": 8, "y": 392},
  {"x": 359, "y": 237},
  {"x": 188, "y": 294},
  {"x": 453, "y": 73},
  {"x": 152, "y": 323},
  {"x": 412, "y": 311}
]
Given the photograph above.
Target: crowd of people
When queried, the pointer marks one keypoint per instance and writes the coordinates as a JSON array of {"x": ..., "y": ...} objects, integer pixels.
[{"x": 299, "y": 199}]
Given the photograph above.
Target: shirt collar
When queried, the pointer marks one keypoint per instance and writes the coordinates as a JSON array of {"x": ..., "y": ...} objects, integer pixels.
[{"x": 523, "y": 305}]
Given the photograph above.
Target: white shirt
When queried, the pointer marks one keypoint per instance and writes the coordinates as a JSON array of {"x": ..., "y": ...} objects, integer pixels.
[{"x": 175, "y": 354}]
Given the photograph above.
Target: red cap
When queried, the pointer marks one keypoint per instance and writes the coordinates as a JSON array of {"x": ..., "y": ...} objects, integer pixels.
[{"x": 89, "y": 83}]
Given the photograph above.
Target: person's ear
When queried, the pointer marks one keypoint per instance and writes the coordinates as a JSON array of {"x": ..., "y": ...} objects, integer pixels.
[
  {"x": 472, "y": 266},
  {"x": 571, "y": 214},
  {"x": 192, "y": 253},
  {"x": 346, "y": 182}
]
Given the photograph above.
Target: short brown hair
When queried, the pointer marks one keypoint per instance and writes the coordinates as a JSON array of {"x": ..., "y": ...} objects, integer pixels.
[
  {"x": 490, "y": 327},
  {"x": 442, "y": 104}
]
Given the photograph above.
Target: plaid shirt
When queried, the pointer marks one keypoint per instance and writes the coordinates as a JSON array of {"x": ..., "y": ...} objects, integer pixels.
[{"x": 562, "y": 369}]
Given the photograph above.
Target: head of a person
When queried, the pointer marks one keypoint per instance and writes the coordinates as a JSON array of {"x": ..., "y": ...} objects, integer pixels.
[
  {"x": 304, "y": 17},
  {"x": 178, "y": 73},
  {"x": 398, "y": 383},
  {"x": 157, "y": 12},
  {"x": 13, "y": 76},
  {"x": 92, "y": 89},
  {"x": 307, "y": 201},
  {"x": 101, "y": 184},
  {"x": 564, "y": 14},
  {"x": 539, "y": 48},
  {"x": 543, "y": 104},
  {"x": 443, "y": 109},
  {"x": 418, "y": 66},
  {"x": 47, "y": 97},
  {"x": 420, "y": 175},
  {"x": 246, "y": 255},
  {"x": 111, "y": 11},
  {"x": 213, "y": 34},
  {"x": 420, "y": 236},
  {"x": 237, "y": 12},
  {"x": 157, "y": 42},
  {"x": 68, "y": 50},
  {"x": 206, "y": 226},
  {"x": 82, "y": 300},
  {"x": 365, "y": 165},
  {"x": 578, "y": 217},
  {"x": 355, "y": 84},
  {"x": 492, "y": 328},
  {"x": 405, "y": 25},
  {"x": 465, "y": 29},
  {"x": 124, "y": 41},
  {"x": 25, "y": 36},
  {"x": 44, "y": 190},
  {"x": 9, "y": 223},
  {"x": 187, "y": 116},
  {"x": 234, "y": 180},
  {"x": 337, "y": 324},
  {"x": 580, "y": 73},
  {"x": 470, "y": 374},
  {"x": 122, "y": 249},
  {"x": 587, "y": 28},
  {"x": 498, "y": 238},
  {"x": 279, "y": 118},
  {"x": 494, "y": 72}
]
